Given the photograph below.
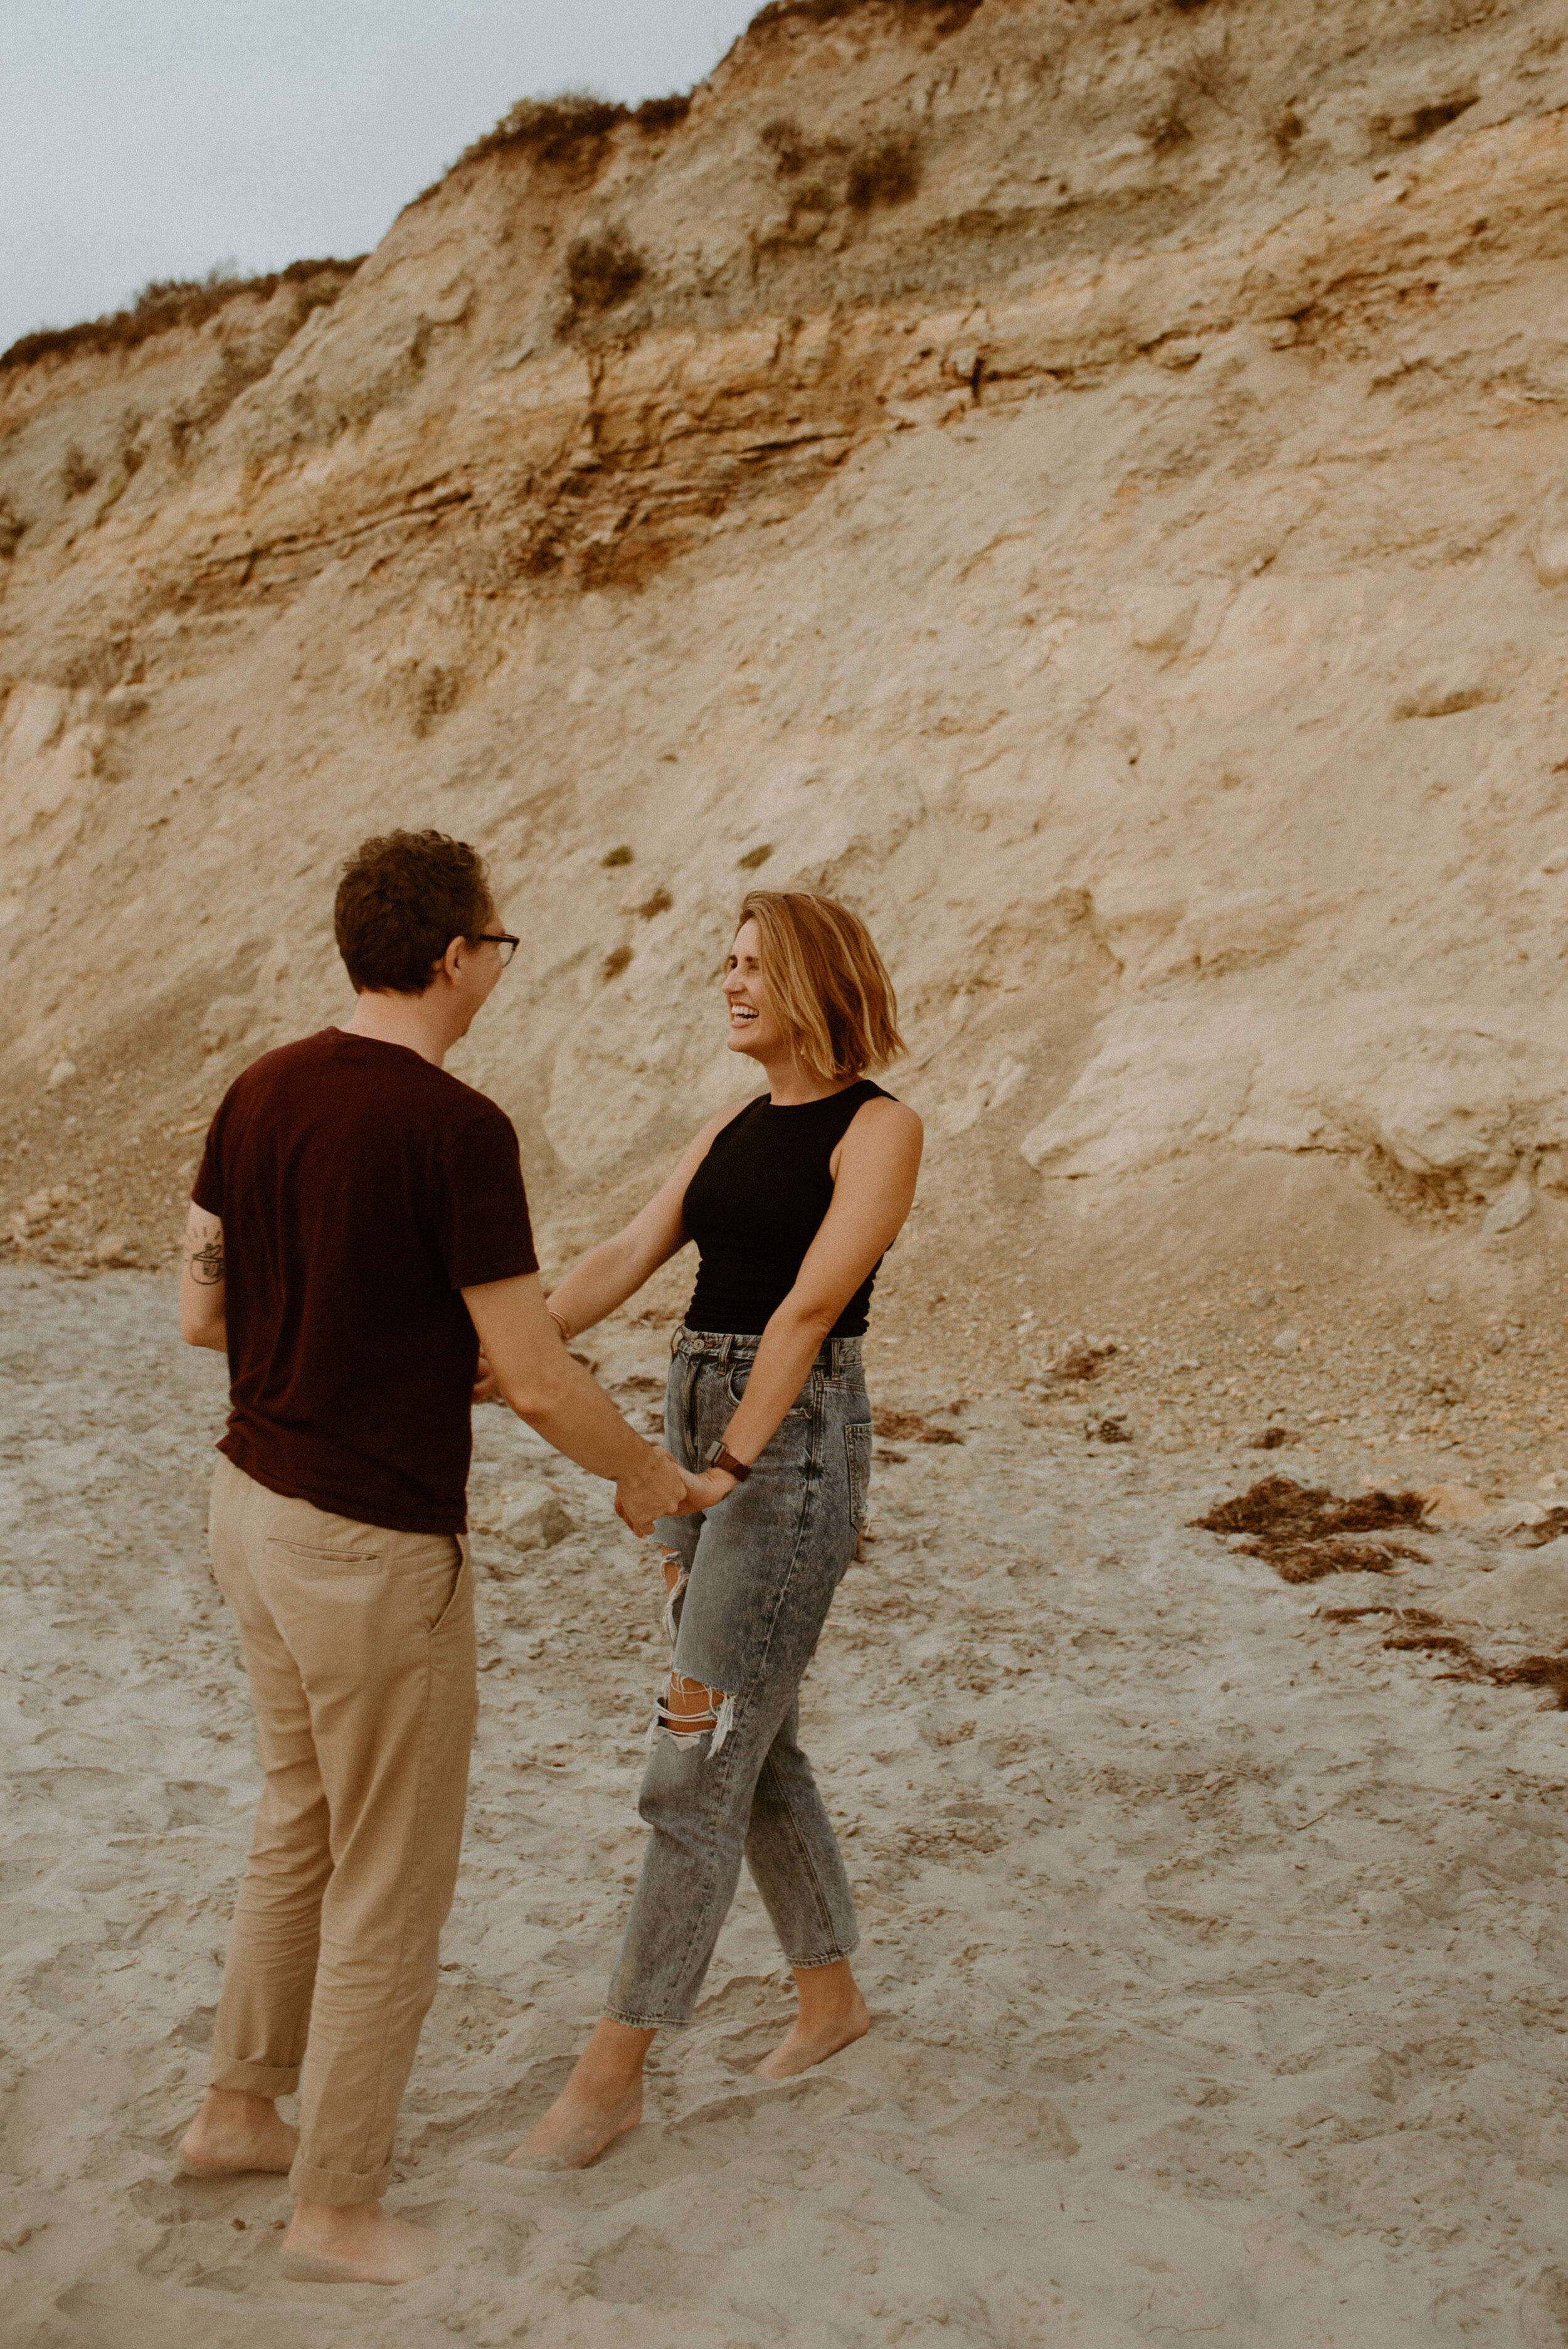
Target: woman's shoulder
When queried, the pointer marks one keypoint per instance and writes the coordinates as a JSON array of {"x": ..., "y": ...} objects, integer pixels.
[{"x": 883, "y": 1115}]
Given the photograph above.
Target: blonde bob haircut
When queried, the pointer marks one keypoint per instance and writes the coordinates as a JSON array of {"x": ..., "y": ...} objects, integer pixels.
[{"x": 826, "y": 981}]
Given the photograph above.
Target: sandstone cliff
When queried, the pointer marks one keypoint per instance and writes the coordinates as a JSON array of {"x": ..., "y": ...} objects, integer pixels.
[{"x": 1086, "y": 479}]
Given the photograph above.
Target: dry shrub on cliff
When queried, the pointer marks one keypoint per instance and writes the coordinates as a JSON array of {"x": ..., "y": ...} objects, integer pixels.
[
  {"x": 1205, "y": 76},
  {"x": 1166, "y": 130},
  {"x": 172, "y": 302},
  {"x": 1423, "y": 121},
  {"x": 885, "y": 171},
  {"x": 1286, "y": 131},
  {"x": 78, "y": 473},
  {"x": 558, "y": 130},
  {"x": 947, "y": 15},
  {"x": 787, "y": 144},
  {"x": 603, "y": 270}
]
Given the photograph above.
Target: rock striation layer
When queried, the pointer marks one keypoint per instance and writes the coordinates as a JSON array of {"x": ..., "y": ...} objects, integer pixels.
[{"x": 1088, "y": 484}]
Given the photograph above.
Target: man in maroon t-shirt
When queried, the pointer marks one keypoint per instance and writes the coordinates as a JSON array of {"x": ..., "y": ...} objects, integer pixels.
[{"x": 359, "y": 1228}]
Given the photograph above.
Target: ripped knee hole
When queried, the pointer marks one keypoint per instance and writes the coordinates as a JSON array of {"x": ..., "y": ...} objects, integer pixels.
[
  {"x": 688, "y": 1709},
  {"x": 691, "y": 1703}
]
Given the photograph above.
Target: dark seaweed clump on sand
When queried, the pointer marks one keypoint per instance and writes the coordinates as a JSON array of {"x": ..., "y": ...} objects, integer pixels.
[{"x": 1305, "y": 1531}]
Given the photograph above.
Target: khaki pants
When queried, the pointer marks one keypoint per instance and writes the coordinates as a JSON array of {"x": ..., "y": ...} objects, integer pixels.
[{"x": 360, "y": 1646}]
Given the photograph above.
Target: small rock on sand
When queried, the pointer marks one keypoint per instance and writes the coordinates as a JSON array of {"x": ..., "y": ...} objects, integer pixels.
[
  {"x": 1287, "y": 1342},
  {"x": 531, "y": 1517},
  {"x": 1529, "y": 1596},
  {"x": 1453, "y": 1505},
  {"x": 1508, "y": 1210}
]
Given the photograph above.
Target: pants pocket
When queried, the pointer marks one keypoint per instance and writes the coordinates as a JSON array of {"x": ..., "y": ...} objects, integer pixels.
[
  {"x": 438, "y": 1586},
  {"x": 858, "y": 1455}
]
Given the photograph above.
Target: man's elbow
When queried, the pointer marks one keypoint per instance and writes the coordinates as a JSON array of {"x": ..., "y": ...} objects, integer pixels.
[{"x": 533, "y": 1395}]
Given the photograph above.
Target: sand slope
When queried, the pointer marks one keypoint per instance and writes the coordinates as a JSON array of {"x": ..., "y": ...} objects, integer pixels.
[{"x": 1216, "y": 1953}]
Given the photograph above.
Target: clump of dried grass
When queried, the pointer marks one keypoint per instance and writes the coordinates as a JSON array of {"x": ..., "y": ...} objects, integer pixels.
[
  {"x": 558, "y": 130},
  {"x": 787, "y": 144},
  {"x": 603, "y": 270},
  {"x": 947, "y": 15},
  {"x": 171, "y": 301},
  {"x": 886, "y": 171},
  {"x": 78, "y": 472}
]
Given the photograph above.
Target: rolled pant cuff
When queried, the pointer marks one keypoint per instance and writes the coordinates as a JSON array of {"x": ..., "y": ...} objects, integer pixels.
[
  {"x": 252, "y": 2079},
  {"x": 339, "y": 2186},
  {"x": 829, "y": 1958},
  {"x": 648, "y": 2021}
]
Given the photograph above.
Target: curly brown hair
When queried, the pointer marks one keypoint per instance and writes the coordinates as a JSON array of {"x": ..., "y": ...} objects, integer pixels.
[{"x": 403, "y": 898}]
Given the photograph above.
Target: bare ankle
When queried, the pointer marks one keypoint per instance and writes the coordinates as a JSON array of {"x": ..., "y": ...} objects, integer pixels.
[{"x": 610, "y": 2067}]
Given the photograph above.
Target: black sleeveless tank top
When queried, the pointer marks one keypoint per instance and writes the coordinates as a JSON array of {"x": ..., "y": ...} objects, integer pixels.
[{"x": 754, "y": 1206}]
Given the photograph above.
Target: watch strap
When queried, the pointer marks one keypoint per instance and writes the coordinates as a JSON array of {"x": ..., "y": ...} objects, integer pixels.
[{"x": 719, "y": 1455}]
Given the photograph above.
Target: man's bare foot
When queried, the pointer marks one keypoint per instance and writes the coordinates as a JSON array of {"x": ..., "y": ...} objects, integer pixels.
[
  {"x": 600, "y": 2101},
  {"x": 356, "y": 2242},
  {"x": 832, "y": 2015},
  {"x": 233, "y": 2133}
]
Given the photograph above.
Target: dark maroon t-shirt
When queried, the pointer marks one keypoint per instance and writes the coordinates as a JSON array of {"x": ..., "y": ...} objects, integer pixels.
[{"x": 360, "y": 1188}]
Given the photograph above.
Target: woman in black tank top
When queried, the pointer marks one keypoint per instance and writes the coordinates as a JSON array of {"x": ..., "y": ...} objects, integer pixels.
[{"x": 792, "y": 1198}]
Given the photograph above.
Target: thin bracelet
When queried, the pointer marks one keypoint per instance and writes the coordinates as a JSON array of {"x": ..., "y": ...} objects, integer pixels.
[{"x": 565, "y": 1332}]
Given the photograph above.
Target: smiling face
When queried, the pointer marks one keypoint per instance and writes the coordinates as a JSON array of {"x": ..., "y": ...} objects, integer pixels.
[{"x": 754, "y": 1026}]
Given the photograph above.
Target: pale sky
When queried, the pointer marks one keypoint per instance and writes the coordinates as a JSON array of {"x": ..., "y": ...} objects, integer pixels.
[{"x": 154, "y": 138}]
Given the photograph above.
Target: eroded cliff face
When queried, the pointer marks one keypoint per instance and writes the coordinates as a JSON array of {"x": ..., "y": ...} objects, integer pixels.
[{"x": 1085, "y": 479}]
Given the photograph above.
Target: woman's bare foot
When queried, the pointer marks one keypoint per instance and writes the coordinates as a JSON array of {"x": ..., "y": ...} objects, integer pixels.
[
  {"x": 600, "y": 2101},
  {"x": 233, "y": 2133},
  {"x": 832, "y": 2015},
  {"x": 356, "y": 2242}
]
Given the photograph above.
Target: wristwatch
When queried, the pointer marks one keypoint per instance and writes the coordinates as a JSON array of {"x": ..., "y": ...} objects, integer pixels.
[{"x": 719, "y": 1455}]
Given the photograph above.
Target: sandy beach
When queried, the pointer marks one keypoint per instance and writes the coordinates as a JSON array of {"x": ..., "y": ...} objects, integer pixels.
[{"x": 1216, "y": 1950}]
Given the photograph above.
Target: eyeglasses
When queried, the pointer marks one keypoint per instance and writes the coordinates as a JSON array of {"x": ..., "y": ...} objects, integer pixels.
[{"x": 508, "y": 945}]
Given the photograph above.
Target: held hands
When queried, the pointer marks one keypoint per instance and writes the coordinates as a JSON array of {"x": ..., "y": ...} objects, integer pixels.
[
  {"x": 705, "y": 1492},
  {"x": 657, "y": 1488}
]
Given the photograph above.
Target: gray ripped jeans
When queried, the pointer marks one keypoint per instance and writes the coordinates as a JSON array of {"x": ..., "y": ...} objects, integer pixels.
[{"x": 757, "y": 1576}]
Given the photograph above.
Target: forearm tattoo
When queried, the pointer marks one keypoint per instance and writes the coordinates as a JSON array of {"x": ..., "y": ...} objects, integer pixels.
[{"x": 206, "y": 1262}]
